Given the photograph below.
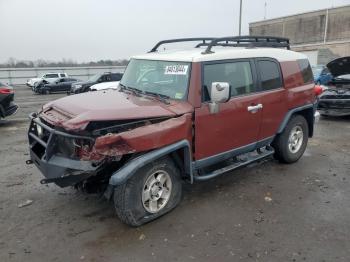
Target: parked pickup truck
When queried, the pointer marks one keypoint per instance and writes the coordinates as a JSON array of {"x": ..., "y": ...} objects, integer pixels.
[
  {"x": 49, "y": 77},
  {"x": 186, "y": 115}
]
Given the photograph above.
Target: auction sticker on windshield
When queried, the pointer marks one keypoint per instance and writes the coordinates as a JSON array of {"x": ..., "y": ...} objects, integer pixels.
[{"x": 176, "y": 70}]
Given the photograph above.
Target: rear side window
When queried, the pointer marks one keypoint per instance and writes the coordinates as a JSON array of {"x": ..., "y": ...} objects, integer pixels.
[
  {"x": 116, "y": 77},
  {"x": 306, "y": 71},
  {"x": 237, "y": 74},
  {"x": 270, "y": 76},
  {"x": 51, "y": 76}
]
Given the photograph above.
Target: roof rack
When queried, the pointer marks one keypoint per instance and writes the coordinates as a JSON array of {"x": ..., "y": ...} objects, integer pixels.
[
  {"x": 203, "y": 39},
  {"x": 247, "y": 41}
]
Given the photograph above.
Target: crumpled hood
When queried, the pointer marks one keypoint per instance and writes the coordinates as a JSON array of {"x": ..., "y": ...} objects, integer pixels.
[
  {"x": 339, "y": 66},
  {"x": 76, "y": 111}
]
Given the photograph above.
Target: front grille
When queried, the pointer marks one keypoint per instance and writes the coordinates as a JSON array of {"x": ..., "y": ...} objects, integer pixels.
[
  {"x": 334, "y": 104},
  {"x": 51, "y": 141}
]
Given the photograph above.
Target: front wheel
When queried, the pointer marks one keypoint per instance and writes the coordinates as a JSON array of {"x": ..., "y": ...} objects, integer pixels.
[
  {"x": 290, "y": 145},
  {"x": 153, "y": 191}
]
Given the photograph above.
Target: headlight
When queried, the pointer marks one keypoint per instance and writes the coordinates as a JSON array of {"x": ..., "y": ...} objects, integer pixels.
[
  {"x": 39, "y": 130},
  {"x": 77, "y": 86}
]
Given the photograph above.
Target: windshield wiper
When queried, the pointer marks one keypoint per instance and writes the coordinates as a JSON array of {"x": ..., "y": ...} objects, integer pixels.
[
  {"x": 138, "y": 92},
  {"x": 161, "y": 97},
  {"x": 134, "y": 91}
]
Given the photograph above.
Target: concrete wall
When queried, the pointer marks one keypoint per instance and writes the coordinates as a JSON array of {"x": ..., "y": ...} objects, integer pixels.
[
  {"x": 19, "y": 76},
  {"x": 326, "y": 31}
]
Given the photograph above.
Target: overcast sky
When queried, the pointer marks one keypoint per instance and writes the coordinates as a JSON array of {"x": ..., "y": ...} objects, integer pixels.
[{"x": 85, "y": 30}]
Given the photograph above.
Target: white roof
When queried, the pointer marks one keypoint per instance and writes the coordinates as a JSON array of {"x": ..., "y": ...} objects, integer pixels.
[{"x": 222, "y": 53}]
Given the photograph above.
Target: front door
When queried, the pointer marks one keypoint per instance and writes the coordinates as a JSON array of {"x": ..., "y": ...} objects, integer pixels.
[{"x": 237, "y": 123}]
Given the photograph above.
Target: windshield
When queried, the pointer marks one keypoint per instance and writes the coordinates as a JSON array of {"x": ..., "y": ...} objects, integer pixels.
[
  {"x": 94, "y": 78},
  {"x": 160, "y": 77}
]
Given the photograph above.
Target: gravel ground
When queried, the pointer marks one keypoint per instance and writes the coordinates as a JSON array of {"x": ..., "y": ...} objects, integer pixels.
[{"x": 265, "y": 212}]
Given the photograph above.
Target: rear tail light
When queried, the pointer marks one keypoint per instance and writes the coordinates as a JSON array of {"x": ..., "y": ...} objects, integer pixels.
[
  {"x": 6, "y": 90},
  {"x": 318, "y": 90}
]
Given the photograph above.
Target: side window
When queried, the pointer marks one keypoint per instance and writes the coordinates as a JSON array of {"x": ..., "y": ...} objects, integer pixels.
[
  {"x": 116, "y": 77},
  {"x": 306, "y": 71},
  {"x": 107, "y": 78},
  {"x": 237, "y": 74},
  {"x": 62, "y": 75},
  {"x": 51, "y": 76},
  {"x": 269, "y": 75}
]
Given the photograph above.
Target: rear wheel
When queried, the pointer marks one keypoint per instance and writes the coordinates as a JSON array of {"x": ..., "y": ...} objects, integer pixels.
[
  {"x": 291, "y": 143},
  {"x": 153, "y": 191}
]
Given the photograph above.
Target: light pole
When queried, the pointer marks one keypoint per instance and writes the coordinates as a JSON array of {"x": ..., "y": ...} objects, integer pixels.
[{"x": 240, "y": 18}]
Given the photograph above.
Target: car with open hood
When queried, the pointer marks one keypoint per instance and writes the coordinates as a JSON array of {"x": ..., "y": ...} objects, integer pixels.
[
  {"x": 178, "y": 116},
  {"x": 7, "y": 105},
  {"x": 335, "y": 100},
  {"x": 59, "y": 85}
]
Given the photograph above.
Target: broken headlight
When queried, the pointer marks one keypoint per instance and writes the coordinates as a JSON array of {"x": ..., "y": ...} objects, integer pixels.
[{"x": 39, "y": 131}]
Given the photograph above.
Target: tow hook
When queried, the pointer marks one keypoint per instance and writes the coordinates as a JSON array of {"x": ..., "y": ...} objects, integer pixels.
[
  {"x": 48, "y": 180},
  {"x": 29, "y": 162},
  {"x": 45, "y": 181}
]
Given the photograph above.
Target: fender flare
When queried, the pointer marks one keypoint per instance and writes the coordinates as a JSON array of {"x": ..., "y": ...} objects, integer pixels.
[
  {"x": 129, "y": 169},
  {"x": 293, "y": 111}
]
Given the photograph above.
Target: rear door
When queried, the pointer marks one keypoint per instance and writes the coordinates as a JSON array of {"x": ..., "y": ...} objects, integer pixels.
[
  {"x": 234, "y": 126},
  {"x": 60, "y": 84},
  {"x": 272, "y": 95}
]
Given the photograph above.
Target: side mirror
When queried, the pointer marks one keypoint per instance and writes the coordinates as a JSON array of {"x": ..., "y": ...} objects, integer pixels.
[{"x": 220, "y": 93}]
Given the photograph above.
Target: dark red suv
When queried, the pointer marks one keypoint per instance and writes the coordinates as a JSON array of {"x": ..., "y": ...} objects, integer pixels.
[{"x": 177, "y": 116}]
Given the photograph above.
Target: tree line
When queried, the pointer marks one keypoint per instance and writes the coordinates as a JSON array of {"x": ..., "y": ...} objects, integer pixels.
[{"x": 14, "y": 63}]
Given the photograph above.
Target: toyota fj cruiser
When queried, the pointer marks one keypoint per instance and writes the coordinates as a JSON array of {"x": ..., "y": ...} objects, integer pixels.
[{"x": 178, "y": 115}]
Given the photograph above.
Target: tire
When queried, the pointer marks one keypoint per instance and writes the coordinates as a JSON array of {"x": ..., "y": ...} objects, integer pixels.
[
  {"x": 287, "y": 151},
  {"x": 130, "y": 199}
]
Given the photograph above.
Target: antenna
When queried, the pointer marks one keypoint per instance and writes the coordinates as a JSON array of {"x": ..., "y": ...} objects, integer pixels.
[
  {"x": 265, "y": 10},
  {"x": 240, "y": 18}
]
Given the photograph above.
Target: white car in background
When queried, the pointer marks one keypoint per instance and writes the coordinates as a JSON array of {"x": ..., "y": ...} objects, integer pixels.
[
  {"x": 104, "y": 86},
  {"x": 49, "y": 77}
]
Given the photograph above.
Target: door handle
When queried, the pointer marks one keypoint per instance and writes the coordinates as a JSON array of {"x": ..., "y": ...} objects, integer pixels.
[{"x": 254, "y": 109}]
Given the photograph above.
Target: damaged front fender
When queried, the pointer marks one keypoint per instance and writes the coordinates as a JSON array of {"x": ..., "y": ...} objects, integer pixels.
[{"x": 143, "y": 138}]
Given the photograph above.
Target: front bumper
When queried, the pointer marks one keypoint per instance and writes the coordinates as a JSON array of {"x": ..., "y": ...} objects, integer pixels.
[
  {"x": 11, "y": 109},
  {"x": 57, "y": 168},
  {"x": 334, "y": 107}
]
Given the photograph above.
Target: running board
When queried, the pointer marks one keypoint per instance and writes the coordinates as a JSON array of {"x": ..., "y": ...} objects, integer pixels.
[{"x": 247, "y": 159}]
